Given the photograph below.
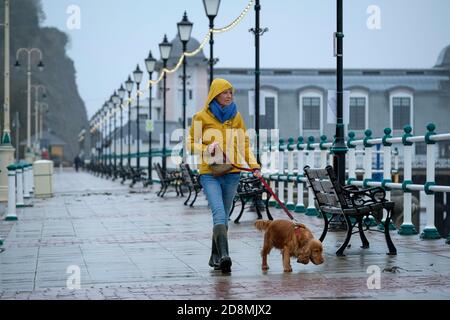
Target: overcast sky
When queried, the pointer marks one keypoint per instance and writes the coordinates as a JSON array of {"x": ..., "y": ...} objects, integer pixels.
[{"x": 115, "y": 35}]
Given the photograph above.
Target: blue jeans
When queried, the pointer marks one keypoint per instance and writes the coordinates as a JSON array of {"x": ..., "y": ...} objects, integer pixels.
[{"x": 220, "y": 192}]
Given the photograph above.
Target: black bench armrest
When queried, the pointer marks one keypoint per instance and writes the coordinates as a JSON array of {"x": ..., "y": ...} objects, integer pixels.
[{"x": 368, "y": 196}]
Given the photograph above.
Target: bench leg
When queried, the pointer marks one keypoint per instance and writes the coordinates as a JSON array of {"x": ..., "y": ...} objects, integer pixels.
[
  {"x": 390, "y": 244},
  {"x": 160, "y": 190},
  {"x": 232, "y": 207},
  {"x": 325, "y": 227},
  {"x": 340, "y": 252},
  {"x": 189, "y": 196},
  {"x": 164, "y": 190},
  {"x": 255, "y": 203},
  {"x": 163, "y": 186},
  {"x": 241, "y": 212},
  {"x": 175, "y": 185},
  {"x": 269, "y": 216},
  {"x": 365, "y": 242},
  {"x": 195, "y": 198}
]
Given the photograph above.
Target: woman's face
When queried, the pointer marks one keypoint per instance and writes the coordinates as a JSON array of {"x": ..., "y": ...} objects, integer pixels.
[{"x": 225, "y": 98}]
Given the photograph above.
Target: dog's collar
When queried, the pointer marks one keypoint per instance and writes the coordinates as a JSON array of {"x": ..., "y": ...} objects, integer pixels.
[{"x": 297, "y": 227}]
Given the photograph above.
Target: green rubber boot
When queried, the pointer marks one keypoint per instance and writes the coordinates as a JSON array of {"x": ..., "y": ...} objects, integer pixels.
[
  {"x": 214, "y": 259},
  {"x": 221, "y": 240}
]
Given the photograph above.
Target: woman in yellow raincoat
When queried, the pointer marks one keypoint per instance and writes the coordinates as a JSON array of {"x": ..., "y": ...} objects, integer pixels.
[{"x": 216, "y": 130}]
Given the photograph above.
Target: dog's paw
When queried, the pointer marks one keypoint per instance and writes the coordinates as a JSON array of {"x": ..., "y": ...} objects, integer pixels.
[
  {"x": 288, "y": 269},
  {"x": 265, "y": 268}
]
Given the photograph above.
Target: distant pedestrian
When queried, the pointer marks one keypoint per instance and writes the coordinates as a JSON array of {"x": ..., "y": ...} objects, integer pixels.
[
  {"x": 44, "y": 154},
  {"x": 77, "y": 163}
]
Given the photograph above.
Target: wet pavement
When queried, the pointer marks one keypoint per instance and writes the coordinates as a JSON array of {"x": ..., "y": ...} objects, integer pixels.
[{"x": 130, "y": 244}]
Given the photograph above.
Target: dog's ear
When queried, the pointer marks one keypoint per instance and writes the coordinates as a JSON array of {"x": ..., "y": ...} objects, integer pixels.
[{"x": 304, "y": 255}]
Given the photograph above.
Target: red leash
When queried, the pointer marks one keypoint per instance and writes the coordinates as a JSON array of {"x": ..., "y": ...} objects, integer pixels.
[{"x": 266, "y": 185}]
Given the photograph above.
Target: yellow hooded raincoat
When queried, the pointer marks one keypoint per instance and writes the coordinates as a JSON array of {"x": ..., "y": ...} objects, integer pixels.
[{"x": 231, "y": 135}]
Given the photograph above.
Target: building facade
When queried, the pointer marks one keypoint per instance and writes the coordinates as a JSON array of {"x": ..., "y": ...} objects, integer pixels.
[{"x": 294, "y": 101}]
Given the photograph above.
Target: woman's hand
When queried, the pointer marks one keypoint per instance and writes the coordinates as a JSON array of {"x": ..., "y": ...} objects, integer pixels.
[
  {"x": 212, "y": 148},
  {"x": 257, "y": 173}
]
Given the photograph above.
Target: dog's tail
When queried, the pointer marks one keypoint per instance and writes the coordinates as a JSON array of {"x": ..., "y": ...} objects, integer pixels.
[{"x": 262, "y": 224}]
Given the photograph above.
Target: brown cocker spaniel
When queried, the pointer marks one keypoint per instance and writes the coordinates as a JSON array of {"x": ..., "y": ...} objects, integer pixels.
[{"x": 294, "y": 240}]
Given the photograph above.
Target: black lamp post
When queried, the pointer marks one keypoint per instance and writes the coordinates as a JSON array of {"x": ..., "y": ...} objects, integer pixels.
[
  {"x": 150, "y": 64},
  {"x": 129, "y": 87},
  {"x": 257, "y": 32},
  {"x": 137, "y": 75},
  {"x": 105, "y": 133},
  {"x": 211, "y": 9},
  {"x": 164, "y": 48},
  {"x": 98, "y": 136},
  {"x": 121, "y": 92},
  {"x": 184, "y": 33},
  {"x": 116, "y": 101},
  {"x": 110, "y": 110},
  {"x": 339, "y": 149}
]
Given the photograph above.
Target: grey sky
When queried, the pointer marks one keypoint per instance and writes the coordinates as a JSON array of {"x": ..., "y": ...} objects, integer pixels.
[{"x": 115, "y": 35}]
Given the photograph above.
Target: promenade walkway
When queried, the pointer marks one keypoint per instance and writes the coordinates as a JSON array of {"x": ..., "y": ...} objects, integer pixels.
[{"x": 130, "y": 244}]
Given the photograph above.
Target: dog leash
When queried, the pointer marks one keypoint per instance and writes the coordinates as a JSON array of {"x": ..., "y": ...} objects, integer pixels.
[{"x": 266, "y": 185}]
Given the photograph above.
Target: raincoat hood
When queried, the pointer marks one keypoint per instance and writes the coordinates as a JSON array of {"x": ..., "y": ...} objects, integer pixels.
[{"x": 217, "y": 87}]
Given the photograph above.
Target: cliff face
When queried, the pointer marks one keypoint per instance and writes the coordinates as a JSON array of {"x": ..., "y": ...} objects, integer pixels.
[{"x": 67, "y": 113}]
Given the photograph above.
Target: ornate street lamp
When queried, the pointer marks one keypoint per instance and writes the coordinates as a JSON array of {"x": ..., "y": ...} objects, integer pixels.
[
  {"x": 339, "y": 148},
  {"x": 116, "y": 100},
  {"x": 164, "y": 47},
  {"x": 257, "y": 31},
  {"x": 184, "y": 33},
  {"x": 150, "y": 63},
  {"x": 29, "y": 52},
  {"x": 137, "y": 75},
  {"x": 121, "y": 92},
  {"x": 104, "y": 133},
  {"x": 129, "y": 87},
  {"x": 211, "y": 9},
  {"x": 110, "y": 110}
]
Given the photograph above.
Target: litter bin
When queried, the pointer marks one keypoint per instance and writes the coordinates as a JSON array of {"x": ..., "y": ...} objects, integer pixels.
[{"x": 43, "y": 178}]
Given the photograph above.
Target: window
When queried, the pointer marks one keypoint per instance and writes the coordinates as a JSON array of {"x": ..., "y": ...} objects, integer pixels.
[
  {"x": 401, "y": 112},
  {"x": 444, "y": 150},
  {"x": 267, "y": 121},
  {"x": 421, "y": 148},
  {"x": 190, "y": 95},
  {"x": 268, "y": 108},
  {"x": 311, "y": 113},
  {"x": 357, "y": 113}
]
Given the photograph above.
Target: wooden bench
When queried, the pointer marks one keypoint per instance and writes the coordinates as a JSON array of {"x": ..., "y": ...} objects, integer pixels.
[
  {"x": 250, "y": 189},
  {"x": 191, "y": 181},
  {"x": 355, "y": 205}
]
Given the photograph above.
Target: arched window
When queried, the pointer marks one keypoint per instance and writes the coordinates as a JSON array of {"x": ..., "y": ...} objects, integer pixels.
[
  {"x": 359, "y": 110},
  {"x": 311, "y": 111},
  {"x": 270, "y": 119},
  {"x": 268, "y": 108},
  {"x": 401, "y": 103}
]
